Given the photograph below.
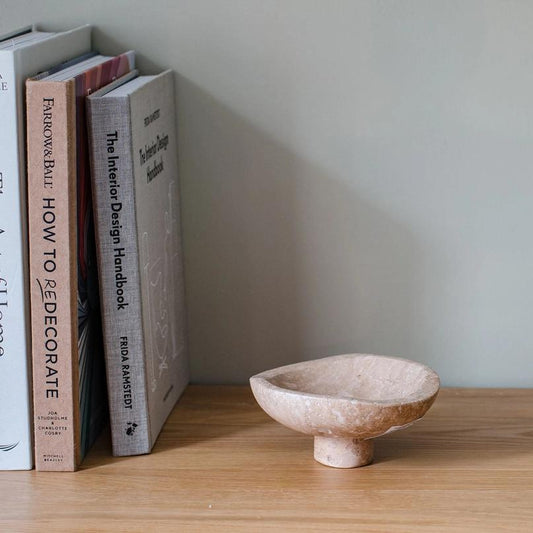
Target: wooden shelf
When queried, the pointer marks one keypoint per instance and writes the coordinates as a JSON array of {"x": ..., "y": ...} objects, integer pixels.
[{"x": 221, "y": 464}]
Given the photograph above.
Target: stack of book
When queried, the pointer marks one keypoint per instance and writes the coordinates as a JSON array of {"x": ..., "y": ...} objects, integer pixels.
[{"x": 91, "y": 278}]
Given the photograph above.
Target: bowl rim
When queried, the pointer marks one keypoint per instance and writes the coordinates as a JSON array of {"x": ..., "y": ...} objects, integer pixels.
[{"x": 415, "y": 397}]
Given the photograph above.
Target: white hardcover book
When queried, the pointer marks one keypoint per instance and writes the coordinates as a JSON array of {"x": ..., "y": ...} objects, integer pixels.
[{"x": 22, "y": 54}]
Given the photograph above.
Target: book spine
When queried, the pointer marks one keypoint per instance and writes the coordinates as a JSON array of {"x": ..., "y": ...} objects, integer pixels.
[
  {"x": 53, "y": 273},
  {"x": 15, "y": 398},
  {"x": 118, "y": 263}
]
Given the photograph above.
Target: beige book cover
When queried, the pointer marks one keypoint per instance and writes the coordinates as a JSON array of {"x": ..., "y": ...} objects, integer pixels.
[{"x": 68, "y": 366}]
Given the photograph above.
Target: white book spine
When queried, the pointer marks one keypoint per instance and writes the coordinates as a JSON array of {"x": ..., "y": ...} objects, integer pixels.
[{"x": 15, "y": 398}]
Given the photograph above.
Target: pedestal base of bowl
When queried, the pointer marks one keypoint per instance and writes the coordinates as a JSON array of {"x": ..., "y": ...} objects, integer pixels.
[{"x": 341, "y": 452}]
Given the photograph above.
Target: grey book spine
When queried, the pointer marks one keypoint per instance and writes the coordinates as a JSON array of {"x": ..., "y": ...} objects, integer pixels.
[{"x": 118, "y": 262}]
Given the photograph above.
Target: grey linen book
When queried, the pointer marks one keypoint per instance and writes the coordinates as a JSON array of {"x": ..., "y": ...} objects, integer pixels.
[{"x": 134, "y": 172}]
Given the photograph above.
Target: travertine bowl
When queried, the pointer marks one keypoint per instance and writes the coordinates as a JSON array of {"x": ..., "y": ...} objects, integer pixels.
[{"x": 345, "y": 401}]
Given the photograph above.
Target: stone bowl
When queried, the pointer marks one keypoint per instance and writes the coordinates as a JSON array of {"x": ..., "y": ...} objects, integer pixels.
[{"x": 345, "y": 401}]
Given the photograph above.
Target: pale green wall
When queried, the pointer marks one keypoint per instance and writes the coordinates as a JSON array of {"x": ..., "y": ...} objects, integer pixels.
[{"x": 356, "y": 175}]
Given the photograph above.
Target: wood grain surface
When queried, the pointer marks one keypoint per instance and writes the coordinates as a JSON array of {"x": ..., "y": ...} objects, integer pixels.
[{"x": 221, "y": 464}]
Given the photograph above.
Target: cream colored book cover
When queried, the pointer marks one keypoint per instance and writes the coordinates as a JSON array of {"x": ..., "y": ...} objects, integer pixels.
[{"x": 22, "y": 53}]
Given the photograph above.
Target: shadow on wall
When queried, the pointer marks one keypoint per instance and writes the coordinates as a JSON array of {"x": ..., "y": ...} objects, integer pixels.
[
  {"x": 106, "y": 44},
  {"x": 284, "y": 261}
]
